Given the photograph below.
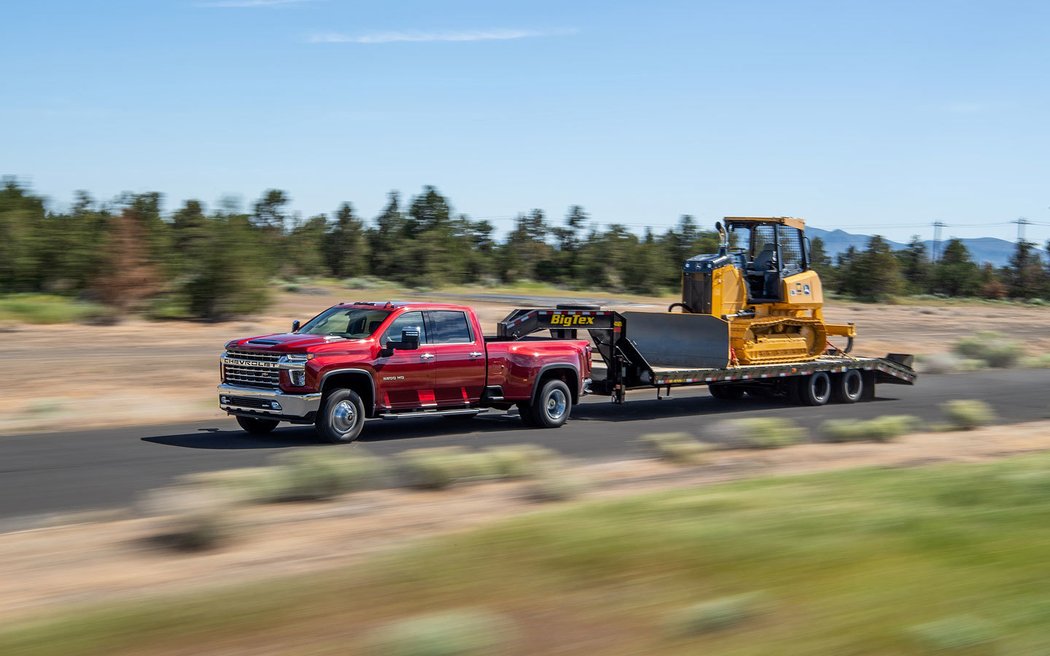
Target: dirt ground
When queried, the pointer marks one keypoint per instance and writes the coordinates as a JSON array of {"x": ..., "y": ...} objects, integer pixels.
[
  {"x": 145, "y": 372},
  {"x": 48, "y": 568}
]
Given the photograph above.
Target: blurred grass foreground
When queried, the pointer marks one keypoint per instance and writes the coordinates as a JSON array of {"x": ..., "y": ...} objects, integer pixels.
[{"x": 934, "y": 559}]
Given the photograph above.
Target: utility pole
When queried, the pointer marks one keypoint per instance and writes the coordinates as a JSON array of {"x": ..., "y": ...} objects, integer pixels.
[
  {"x": 1021, "y": 223},
  {"x": 937, "y": 225}
]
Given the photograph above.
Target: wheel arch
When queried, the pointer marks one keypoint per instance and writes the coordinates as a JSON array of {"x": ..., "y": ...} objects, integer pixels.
[
  {"x": 567, "y": 373},
  {"x": 359, "y": 380}
]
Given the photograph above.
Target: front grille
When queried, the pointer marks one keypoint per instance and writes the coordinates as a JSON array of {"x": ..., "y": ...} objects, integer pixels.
[{"x": 251, "y": 368}]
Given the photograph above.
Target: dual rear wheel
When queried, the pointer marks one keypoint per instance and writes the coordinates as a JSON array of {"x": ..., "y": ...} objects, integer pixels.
[
  {"x": 820, "y": 387},
  {"x": 815, "y": 389}
]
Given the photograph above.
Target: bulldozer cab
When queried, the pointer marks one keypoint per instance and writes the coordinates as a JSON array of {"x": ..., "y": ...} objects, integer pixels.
[{"x": 766, "y": 250}]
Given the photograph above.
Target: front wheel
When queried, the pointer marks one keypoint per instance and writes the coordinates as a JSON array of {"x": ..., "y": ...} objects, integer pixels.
[
  {"x": 342, "y": 417},
  {"x": 551, "y": 407},
  {"x": 254, "y": 426}
]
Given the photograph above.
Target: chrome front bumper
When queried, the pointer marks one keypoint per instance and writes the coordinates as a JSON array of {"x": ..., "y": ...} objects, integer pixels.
[{"x": 272, "y": 403}]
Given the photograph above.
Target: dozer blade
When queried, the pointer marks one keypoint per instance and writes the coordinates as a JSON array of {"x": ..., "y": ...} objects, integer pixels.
[{"x": 698, "y": 341}]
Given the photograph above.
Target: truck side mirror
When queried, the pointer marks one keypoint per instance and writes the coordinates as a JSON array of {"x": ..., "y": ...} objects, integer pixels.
[
  {"x": 295, "y": 326},
  {"x": 409, "y": 340}
]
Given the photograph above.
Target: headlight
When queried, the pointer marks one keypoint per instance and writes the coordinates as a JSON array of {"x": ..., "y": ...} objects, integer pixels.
[{"x": 298, "y": 357}]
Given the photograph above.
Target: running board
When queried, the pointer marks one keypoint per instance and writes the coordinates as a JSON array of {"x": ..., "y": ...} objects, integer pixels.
[{"x": 411, "y": 414}]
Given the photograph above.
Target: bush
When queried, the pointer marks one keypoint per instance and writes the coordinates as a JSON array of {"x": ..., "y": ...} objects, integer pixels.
[
  {"x": 322, "y": 474},
  {"x": 451, "y": 633},
  {"x": 880, "y": 429},
  {"x": 938, "y": 363},
  {"x": 716, "y": 614},
  {"x": 192, "y": 518},
  {"x": 1037, "y": 361},
  {"x": 759, "y": 433},
  {"x": 244, "y": 485},
  {"x": 968, "y": 414},
  {"x": 556, "y": 483},
  {"x": 48, "y": 309},
  {"x": 519, "y": 461},
  {"x": 441, "y": 467},
  {"x": 957, "y": 633},
  {"x": 678, "y": 448},
  {"x": 990, "y": 347}
]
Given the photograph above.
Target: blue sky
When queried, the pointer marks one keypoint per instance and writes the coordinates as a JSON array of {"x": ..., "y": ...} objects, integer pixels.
[{"x": 878, "y": 116}]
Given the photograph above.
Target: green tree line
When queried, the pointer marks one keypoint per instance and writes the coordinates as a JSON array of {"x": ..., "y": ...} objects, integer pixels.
[{"x": 195, "y": 262}]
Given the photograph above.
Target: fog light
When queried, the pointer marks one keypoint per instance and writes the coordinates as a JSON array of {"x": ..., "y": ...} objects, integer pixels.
[
  {"x": 225, "y": 400},
  {"x": 275, "y": 405},
  {"x": 298, "y": 378}
]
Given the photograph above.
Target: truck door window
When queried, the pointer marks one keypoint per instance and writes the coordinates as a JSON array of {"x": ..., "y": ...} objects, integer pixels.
[
  {"x": 406, "y": 320},
  {"x": 448, "y": 327}
]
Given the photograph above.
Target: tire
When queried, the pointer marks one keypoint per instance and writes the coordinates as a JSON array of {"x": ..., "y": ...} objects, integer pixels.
[
  {"x": 341, "y": 418},
  {"x": 847, "y": 387},
  {"x": 525, "y": 413},
  {"x": 815, "y": 389},
  {"x": 726, "y": 392},
  {"x": 254, "y": 426},
  {"x": 552, "y": 405}
]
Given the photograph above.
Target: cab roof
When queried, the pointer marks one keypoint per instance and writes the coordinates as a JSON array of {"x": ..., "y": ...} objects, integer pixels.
[
  {"x": 396, "y": 305},
  {"x": 789, "y": 221}
]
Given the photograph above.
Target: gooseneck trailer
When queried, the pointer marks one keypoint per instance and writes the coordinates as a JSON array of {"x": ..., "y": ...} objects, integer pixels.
[{"x": 647, "y": 350}]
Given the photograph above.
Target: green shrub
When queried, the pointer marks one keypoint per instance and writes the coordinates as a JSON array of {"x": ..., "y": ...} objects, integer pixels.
[
  {"x": 992, "y": 348},
  {"x": 190, "y": 518},
  {"x": 937, "y": 363},
  {"x": 760, "y": 433},
  {"x": 956, "y": 634},
  {"x": 441, "y": 467},
  {"x": 967, "y": 414},
  {"x": 323, "y": 474},
  {"x": 520, "y": 460},
  {"x": 244, "y": 485},
  {"x": 716, "y": 614},
  {"x": 48, "y": 309},
  {"x": 556, "y": 483},
  {"x": 678, "y": 448},
  {"x": 1037, "y": 361},
  {"x": 465, "y": 632},
  {"x": 880, "y": 429}
]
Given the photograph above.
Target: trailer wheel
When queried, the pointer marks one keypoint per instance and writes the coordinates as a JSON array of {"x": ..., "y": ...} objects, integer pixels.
[
  {"x": 254, "y": 426},
  {"x": 815, "y": 389},
  {"x": 552, "y": 405},
  {"x": 726, "y": 392},
  {"x": 342, "y": 417},
  {"x": 848, "y": 387}
]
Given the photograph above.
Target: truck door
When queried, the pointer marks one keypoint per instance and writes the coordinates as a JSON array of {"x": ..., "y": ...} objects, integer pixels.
[
  {"x": 459, "y": 358},
  {"x": 406, "y": 378}
]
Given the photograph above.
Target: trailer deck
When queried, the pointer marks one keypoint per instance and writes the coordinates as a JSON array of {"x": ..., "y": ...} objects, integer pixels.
[{"x": 662, "y": 350}]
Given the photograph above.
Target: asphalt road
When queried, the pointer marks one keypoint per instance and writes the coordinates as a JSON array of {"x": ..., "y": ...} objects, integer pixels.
[{"x": 98, "y": 469}]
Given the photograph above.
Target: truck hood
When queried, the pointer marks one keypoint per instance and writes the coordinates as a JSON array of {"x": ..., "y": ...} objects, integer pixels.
[{"x": 283, "y": 342}]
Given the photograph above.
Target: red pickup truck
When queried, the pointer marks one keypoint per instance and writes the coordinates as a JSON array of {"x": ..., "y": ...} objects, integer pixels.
[{"x": 391, "y": 360}]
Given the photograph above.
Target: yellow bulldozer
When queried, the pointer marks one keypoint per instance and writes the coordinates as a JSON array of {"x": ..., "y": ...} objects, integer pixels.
[{"x": 762, "y": 288}]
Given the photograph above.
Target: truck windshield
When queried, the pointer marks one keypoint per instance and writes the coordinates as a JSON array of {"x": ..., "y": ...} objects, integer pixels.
[{"x": 352, "y": 323}]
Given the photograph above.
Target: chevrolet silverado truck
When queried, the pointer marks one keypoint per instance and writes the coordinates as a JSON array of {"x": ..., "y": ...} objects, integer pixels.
[{"x": 388, "y": 360}]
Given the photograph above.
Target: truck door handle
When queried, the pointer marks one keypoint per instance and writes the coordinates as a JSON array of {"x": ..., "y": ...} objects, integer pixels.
[
  {"x": 426, "y": 356},
  {"x": 476, "y": 354}
]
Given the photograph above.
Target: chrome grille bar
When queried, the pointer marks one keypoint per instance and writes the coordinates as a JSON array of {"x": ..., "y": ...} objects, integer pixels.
[{"x": 251, "y": 368}]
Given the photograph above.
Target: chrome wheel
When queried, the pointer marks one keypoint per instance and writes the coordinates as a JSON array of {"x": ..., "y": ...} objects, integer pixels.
[
  {"x": 344, "y": 417},
  {"x": 556, "y": 404}
]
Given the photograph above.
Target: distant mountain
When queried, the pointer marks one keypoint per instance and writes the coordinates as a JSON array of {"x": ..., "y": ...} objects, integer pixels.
[{"x": 982, "y": 249}]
